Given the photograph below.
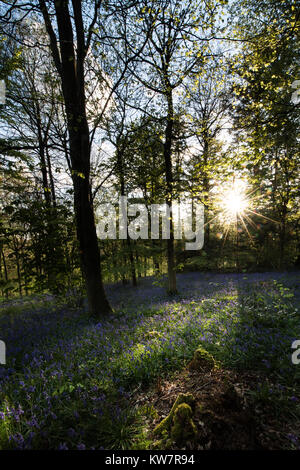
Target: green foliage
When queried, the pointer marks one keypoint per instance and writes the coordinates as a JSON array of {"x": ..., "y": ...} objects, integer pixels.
[{"x": 251, "y": 329}]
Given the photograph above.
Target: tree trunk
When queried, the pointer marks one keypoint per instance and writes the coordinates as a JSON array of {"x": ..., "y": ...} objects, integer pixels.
[
  {"x": 206, "y": 185},
  {"x": 137, "y": 262},
  {"x": 282, "y": 238},
  {"x": 70, "y": 67},
  {"x": 19, "y": 274},
  {"x": 52, "y": 186},
  {"x": 122, "y": 188},
  {"x": 89, "y": 249},
  {"x": 5, "y": 270},
  {"x": 169, "y": 193},
  {"x": 131, "y": 260}
]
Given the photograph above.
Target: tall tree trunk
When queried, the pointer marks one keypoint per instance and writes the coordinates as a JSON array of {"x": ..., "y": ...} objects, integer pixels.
[
  {"x": 124, "y": 263},
  {"x": 70, "y": 67},
  {"x": 282, "y": 238},
  {"x": 137, "y": 262},
  {"x": 89, "y": 249},
  {"x": 122, "y": 188},
  {"x": 43, "y": 167},
  {"x": 169, "y": 191},
  {"x": 19, "y": 273},
  {"x": 132, "y": 264},
  {"x": 5, "y": 270},
  {"x": 206, "y": 185},
  {"x": 52, "y": 186}
]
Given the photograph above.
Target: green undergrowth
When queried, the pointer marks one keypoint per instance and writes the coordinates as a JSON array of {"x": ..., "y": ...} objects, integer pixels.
[{"x": 77, "y": 387}]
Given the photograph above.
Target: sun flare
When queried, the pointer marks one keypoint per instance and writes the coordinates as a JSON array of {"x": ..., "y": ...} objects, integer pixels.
[{"x": 235, "y": 204}]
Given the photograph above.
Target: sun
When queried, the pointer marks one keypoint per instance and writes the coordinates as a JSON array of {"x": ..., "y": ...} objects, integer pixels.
[
  {"x": 235, "y": 204},
  {"x": 236, "y": 208}
]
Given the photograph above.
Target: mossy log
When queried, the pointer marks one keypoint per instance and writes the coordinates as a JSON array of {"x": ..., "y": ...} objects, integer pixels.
[
  {"x": 183, "y": 429},
  {"x": 166, "y": 423},
  {"x": 202, "y": 361}
]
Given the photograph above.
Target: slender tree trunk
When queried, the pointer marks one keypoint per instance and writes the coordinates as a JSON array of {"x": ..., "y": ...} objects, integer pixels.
[
  {"x": 156, "y": 267},
  {"x": 115, "y": 266},
  {"x": 122, "y": 188},
  {"x": 51, "y": 180},
  {"x": 124, "y": 263},
  {"x": 131, "y": 260},
  {"x": 137, "y": 262},
  {"x": 5, "y": 270},
  {"x": 297, "y": 262},
  {"x": 19, "y": 274},
  {"x": 43, "y": 167},
  {"x": 169, "y": 193},
  {"x": 282, "y": 239},
  {"x": 206, "y": 189}
]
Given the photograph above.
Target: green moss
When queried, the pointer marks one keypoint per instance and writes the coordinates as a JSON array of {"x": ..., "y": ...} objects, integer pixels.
[
  {"x": 183, "y": 428},
  {"x": 162, "y": 444},
  {"x": 166, "y": 423},
  {"x": 149, "y": 411},
  {"x": 202, "y": 361},
  {"x": 183, "y": 412}
]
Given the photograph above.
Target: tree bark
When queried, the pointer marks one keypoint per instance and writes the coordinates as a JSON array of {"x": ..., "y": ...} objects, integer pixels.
[
  {"x": 70, "y": 67},
  {"x": 51, "y": 180},
  {"x": 172, "y": 289},
  {"x": 120, "y": 166},
  {"x": 5, "y": 270}
]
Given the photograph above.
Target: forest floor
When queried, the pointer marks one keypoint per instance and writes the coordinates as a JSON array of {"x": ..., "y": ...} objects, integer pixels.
[
  {"x": 73, "y": 383},
  {"x": 226, "y": 418}
]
